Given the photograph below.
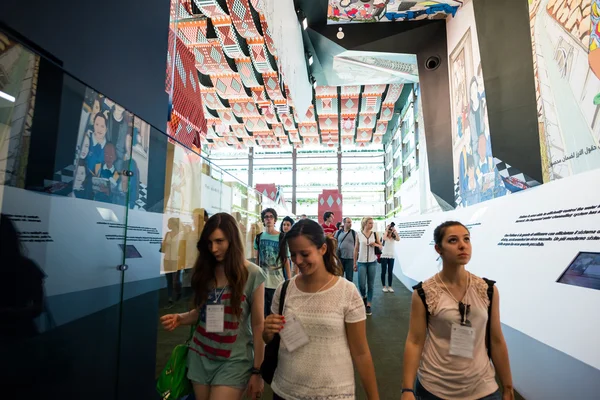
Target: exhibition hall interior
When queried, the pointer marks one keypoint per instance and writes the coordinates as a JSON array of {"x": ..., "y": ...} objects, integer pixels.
[{"x": 125, "y": 126}]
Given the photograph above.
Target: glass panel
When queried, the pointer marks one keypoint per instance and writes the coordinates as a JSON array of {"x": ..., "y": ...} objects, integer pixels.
[{"x": 60, "y": 290}]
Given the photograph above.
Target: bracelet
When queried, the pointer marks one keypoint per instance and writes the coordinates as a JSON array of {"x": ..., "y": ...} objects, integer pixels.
[
  {"x": 408, "y": 391},
  {"x": 255, "y": 371}
]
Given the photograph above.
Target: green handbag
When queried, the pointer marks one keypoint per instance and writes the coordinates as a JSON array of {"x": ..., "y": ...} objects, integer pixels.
[{"x": 173, "y": 383}]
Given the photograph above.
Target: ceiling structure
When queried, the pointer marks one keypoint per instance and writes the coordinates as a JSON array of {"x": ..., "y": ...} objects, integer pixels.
[
  {"x": 228, "y": 92},
  {"x": 346, "y": 11}
]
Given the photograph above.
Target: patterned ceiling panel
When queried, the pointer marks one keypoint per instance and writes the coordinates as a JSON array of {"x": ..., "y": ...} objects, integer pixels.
[
  {"x": 248, "y": 104},
  {"x": 258, "y": 53},
  {"x": 381, "y": 127},
  {"x": 210, "y": 8},
  {"x": 364, "y": 135},
  {"x": 239, "y": 11},
  {"x": 387, "y": 112},
  {"x": 350, "y": 90},
  {"x": 268, "y": 37},
  {"x": 327, "y": 91},
  {"x": 328, "y": 123},
  {"x": 259, "y": 96},
  {"x": 211, "y": 100},
  {"x": 278, "y": 130},
  {"x": 228, "y": 38},
  {"x": 393, "y": 93},
  {"x": 227, "y": 116},
  {"x": 367, "y": 121},
  {"x": 255, "y": 124},
  {"x": 247, "y": 73},
  {"x": 257, "y": 5},
  {"x": 229, "y": 86},
  {"x": 268, "y": 112},
  {"x": 239, "y": 130},
  {"x": 348, "y": 127},
  {"x": 374, "y": 89},
  {"x": 288, "y": 122},
  {"x": 311, "y": 141},
  {"x": 310, "y": 129},
  {"x": 244, "y": 108},
  {"x": 327, "y": 106},
  {"x": 345, "y": 11},
  {"x": 272, "y": 87},
  {"x": 210, "y": 59},
  {"x": 349, "y": 103},
  {"x": 370, "y": 104}
]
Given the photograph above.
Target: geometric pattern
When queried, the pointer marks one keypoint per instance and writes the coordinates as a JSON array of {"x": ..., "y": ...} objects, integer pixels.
[
  {"x": 242, "y": 18},
  {"x": 258, "y": 53},
  {"x": 228, "y": 91}
]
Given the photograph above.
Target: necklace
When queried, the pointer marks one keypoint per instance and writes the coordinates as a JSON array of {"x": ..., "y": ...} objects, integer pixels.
[{"x": 463, "y": 308}]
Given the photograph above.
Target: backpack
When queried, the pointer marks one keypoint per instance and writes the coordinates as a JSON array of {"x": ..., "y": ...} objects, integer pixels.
[
  {"x": 257, "y": 243},
  {"x": 337, "y": 235},
  {"x": 490, "y": 292}
]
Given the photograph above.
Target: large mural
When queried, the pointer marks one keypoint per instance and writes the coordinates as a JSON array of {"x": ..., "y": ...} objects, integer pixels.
[
  {"x": 476, "y": 177},
  {"x": 566, "y": 53},
  {"x": 344, "y": 11}
]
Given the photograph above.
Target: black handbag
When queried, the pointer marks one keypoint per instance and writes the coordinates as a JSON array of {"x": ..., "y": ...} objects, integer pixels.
[
  {"x": 378, "y": 251},
  {"x": 269, "y": 364}
]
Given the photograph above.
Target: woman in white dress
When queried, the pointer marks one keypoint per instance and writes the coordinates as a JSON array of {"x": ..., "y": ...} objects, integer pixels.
[{"x": 330, "y": 314}]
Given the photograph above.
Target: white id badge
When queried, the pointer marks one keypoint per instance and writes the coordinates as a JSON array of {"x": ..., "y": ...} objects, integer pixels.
[
  {"x": 293, "y": 335},
  {"x": 215, "y": 318},
  {"x": 462, "y": 341}
]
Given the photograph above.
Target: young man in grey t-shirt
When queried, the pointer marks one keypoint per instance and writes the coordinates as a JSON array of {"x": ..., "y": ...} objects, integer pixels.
[{"x": 345, "y": 241}]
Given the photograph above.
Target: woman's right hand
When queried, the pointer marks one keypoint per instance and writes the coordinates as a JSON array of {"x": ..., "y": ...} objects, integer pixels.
[
  {"x": 408, "y": 396},
  {"x": 273, "y": 324},
  {"x": 170, "y": 321}
]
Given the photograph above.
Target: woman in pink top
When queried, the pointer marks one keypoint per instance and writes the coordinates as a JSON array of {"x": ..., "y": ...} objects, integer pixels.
[{"x": 446, "y": 350}]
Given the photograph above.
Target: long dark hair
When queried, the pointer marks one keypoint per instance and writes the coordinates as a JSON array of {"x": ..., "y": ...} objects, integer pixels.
[
  {"x": 203, "y": 279},
  {"x": 288, "y": 219},
  {"x": 313, "y": 232}
]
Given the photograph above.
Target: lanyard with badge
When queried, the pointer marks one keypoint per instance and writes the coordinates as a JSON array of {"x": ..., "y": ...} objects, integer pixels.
[
  {"x": 462, "y": 336},
  {"x": 215, "y": 314},
  {"x": 293, "y": 335}
]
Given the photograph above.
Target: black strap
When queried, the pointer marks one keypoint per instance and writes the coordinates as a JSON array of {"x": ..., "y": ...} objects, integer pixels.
[
  {"x": 419, "y": 288},
  {"x": 342, "y": 241},
  {"x": 490, "y": 292},
  {"x": 282, "y": 296},
  {"x": 488, "y": 339},
  {"x": 257, "y": 240}
]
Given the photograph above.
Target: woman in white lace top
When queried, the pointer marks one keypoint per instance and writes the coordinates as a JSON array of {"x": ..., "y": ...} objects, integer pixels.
[{"x": 325, "y": 318}]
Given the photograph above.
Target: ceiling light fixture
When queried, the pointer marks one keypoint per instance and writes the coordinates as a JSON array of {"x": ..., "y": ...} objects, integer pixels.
[{"x": 7, "y": 97}]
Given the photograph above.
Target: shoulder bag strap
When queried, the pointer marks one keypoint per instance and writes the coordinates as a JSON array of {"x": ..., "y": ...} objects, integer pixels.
[
  {"x": 341, "y": 241},
  {"x": 258, "y": 248},
  {"x": 282, "y": 296},
  {"x": 419, "y": 288},
  {"x": 490, "y": 293}
]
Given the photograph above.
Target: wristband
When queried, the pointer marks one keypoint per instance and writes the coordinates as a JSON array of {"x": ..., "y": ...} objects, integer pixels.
[
  {"x": 408, "y": 391},
  {"x": 255, "y": 371}
]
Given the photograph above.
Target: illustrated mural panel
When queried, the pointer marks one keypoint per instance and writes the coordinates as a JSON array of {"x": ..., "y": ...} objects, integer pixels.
[
  {"x": 566, "y": 54},
  {"x": 476, "y": 177},
  {"x": 344, "y": 11}
]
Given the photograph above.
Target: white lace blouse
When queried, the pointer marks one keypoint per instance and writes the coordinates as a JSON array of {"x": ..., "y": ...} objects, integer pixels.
[{"x": 323, "y": 368}]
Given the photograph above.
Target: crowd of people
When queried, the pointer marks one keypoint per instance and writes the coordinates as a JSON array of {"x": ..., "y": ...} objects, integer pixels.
[{"x": 300, "y": 293}]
